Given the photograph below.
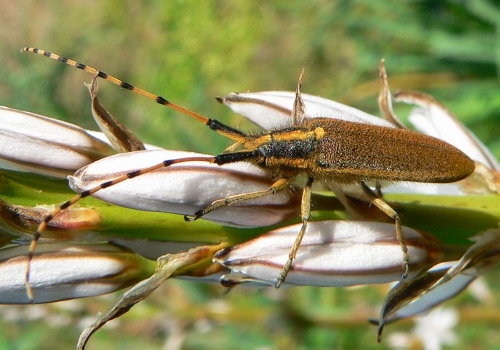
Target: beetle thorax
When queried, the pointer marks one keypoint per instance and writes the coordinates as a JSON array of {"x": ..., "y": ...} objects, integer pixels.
[{"x": 288, "y": 151}]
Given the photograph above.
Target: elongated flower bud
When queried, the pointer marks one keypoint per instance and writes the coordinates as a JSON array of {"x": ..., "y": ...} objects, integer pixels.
[
  {"x": 269, "y": 109},
  {"x": 332, "y": 253},
  {"x": 187, "y": 187},
  {"x": 434, "y": 119},
  {"x": 34, "y": 143},
  {"x": 67, "y": 271}
]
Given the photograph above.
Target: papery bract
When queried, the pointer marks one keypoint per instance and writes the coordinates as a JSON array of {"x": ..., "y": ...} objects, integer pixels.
[{"x": 441, "y": 283}]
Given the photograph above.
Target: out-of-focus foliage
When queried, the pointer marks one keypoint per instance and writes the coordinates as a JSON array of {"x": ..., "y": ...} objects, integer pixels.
[{"x": 190, "y": 51}]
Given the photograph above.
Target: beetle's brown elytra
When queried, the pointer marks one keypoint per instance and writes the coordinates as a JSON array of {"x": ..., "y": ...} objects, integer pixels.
[{"x": 331, "y": 151}]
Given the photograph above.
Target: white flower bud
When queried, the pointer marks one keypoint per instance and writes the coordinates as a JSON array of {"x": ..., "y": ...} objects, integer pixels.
[
  {"x": 434, "y": 119},
  {"x": 67, "y": 271},
  {"x": 269, "y": 109},
  {"x": 332, "y": 253},
  {"x": 188, "y": 187},
  {"x": 34, "y": 143}
]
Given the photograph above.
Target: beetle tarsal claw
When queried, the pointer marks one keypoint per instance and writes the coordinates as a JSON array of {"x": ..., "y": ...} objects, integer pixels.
[
  {"x": 196, "y": 215},
  {"x": 190, "y": 218},
  {"x": 406, "y": 267},
  {"x": 284, "y": 273}
]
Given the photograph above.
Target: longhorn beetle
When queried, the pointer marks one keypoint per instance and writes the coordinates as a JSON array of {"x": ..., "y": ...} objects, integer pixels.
[{"x": 332, "y": 151}]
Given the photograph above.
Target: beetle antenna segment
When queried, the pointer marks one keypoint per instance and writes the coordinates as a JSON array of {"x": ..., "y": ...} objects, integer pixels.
[
  {"x": 86, "y": 193},
  {"x": 213, "y": 124},
  {"x": 116, "y": 81}
]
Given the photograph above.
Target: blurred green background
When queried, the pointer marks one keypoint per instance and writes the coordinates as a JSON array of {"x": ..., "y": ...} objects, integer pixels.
[{"x": 191, "y": 51}]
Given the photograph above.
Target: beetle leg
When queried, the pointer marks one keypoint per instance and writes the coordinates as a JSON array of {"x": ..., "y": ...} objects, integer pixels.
[
  {"x": 378, "y": 189},
  {"x": 305, "y": 213},
  {"x": 390, "y": 212},
  {"x": 277, "y": 186}
]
